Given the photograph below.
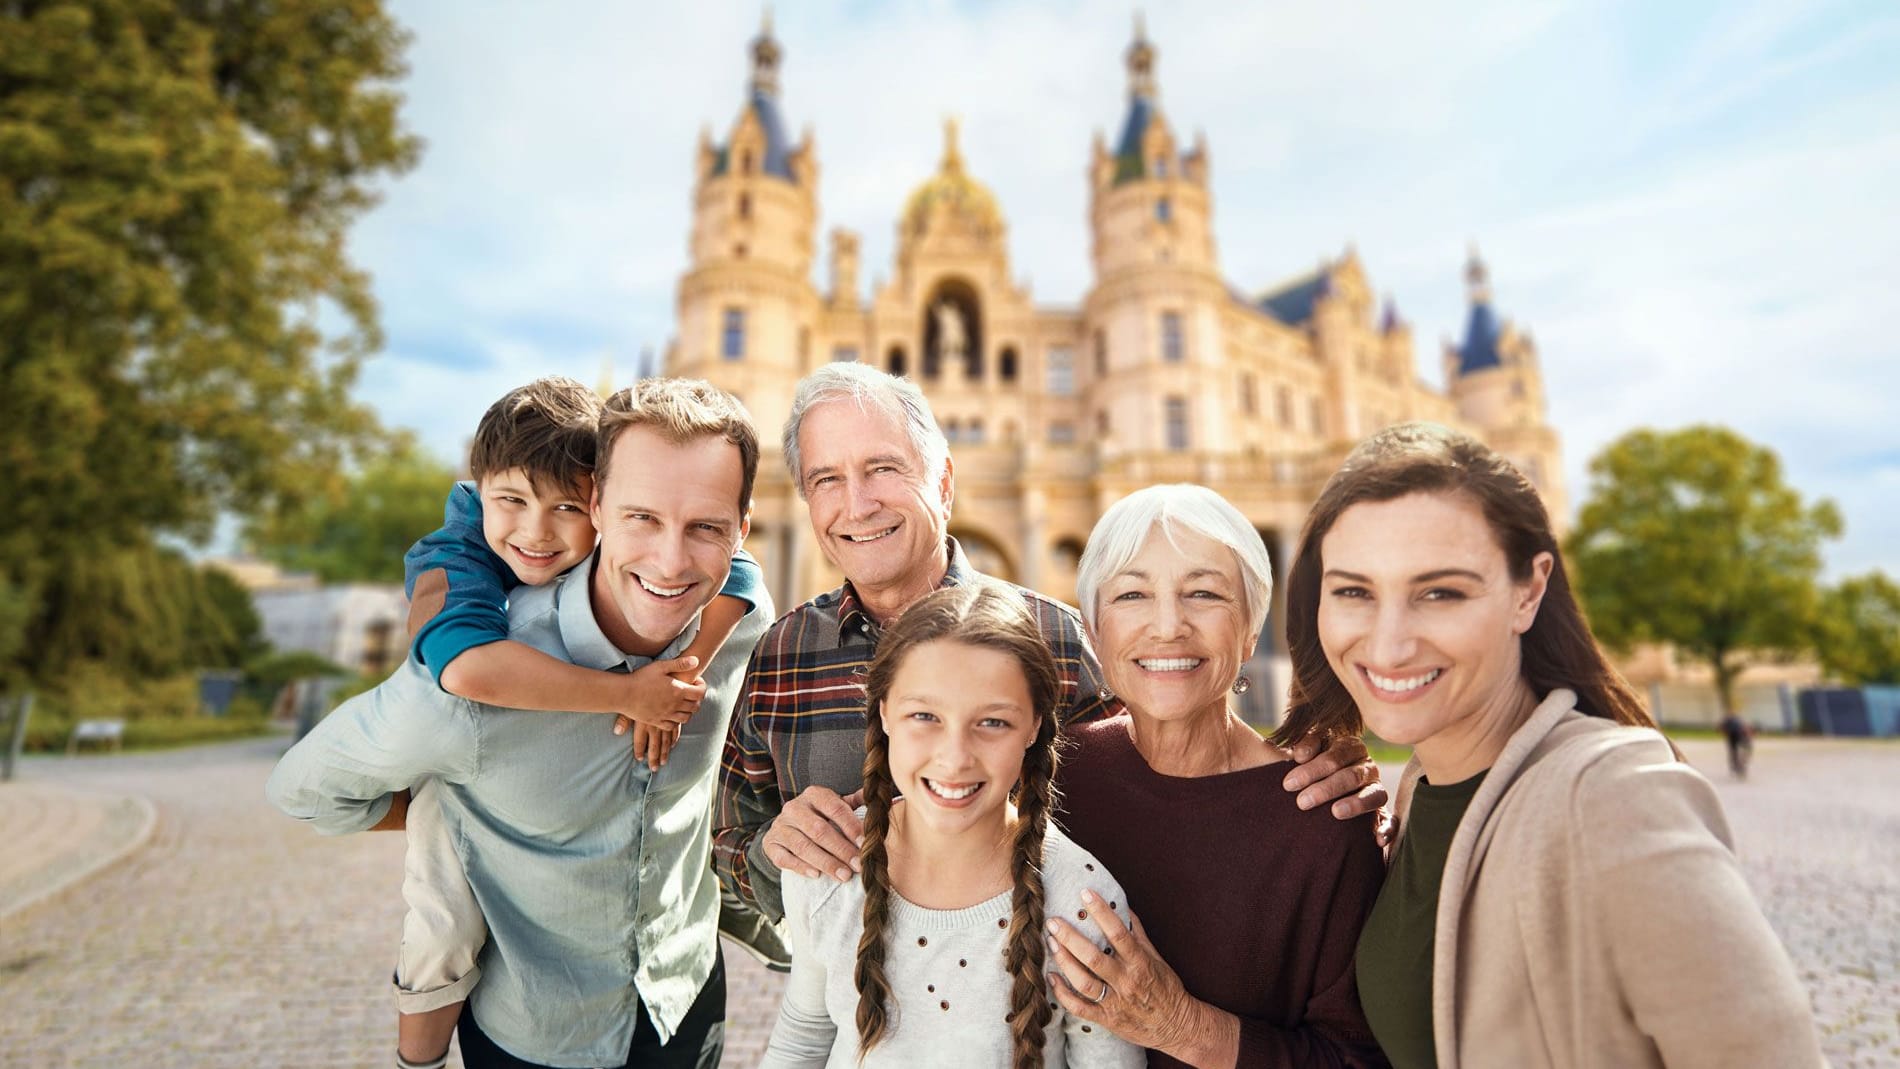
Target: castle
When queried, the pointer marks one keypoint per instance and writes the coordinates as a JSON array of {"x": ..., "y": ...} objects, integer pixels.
[{"x": 1166, "y": 372}]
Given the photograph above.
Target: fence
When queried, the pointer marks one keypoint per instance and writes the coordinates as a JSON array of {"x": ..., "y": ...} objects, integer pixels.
[{"x": 1856, "y": 711}]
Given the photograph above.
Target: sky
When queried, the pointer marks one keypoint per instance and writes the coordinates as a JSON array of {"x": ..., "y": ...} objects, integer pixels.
[{"x": 1694, "y": 207}]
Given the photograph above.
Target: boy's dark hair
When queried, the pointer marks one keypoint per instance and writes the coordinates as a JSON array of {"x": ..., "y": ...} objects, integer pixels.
[
  {"x": 546, "y": 429},
  {"x": 681, "y": 410}
]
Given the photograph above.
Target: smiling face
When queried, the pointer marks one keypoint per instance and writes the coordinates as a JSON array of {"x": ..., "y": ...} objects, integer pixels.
[
  {"x": 1420, "y": 620},
  {"x": 669, "y": 523},
  {"x": 1171, "y": 627},
  {"x": 877, "y": 515},
  {"x": 539, "y": 531},
  {"x": 959, "y": 718}
]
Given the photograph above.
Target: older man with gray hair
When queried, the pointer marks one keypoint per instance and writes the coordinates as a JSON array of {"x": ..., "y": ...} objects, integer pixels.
[{"x": 875, "y": 471}]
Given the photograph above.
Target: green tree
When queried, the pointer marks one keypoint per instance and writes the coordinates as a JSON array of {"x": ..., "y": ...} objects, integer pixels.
[
  {"x": 1692, "y": 537},
  {"x": 180, "y": 325},
  {"x": 360, "y": 533},
  {"x": 1858, "y": 637}
]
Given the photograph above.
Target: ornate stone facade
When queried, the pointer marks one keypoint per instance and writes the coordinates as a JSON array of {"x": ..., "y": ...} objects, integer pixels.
[{"x": 1165, "y": 372}]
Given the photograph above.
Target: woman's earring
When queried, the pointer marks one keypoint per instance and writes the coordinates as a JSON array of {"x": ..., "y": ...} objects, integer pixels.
[
  {"x": 1241, "y": 684},
  {"x": 1104, "y": 693}
]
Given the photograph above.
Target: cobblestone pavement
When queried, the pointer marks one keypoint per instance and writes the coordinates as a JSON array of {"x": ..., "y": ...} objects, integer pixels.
[{"x": 234, "y": 937}]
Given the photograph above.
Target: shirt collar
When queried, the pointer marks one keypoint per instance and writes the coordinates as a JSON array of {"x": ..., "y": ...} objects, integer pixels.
[
  {"x": 587, "y": 645},
  {"x": 851, "y": 614}
]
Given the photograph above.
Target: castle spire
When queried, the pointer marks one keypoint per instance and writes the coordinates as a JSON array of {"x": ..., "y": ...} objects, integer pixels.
[
  {"x": 1477, "y": 277},
  {"x": 952, "y": 154},
  {"x": 1141, "y": 62},
  {"x": 765, "y": 56}
]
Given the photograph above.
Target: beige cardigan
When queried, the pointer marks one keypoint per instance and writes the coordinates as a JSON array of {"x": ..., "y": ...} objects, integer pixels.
[{"x": 1592, "y": 914}]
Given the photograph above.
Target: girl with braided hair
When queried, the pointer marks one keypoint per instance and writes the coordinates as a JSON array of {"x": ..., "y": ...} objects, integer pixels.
[{"x": 936, "y": 955}]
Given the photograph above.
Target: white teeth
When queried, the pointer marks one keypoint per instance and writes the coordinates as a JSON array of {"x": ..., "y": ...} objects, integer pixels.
[
  {"x": 663, "y": 591},
  {"x": 1170, "y": 664},
  {"x": 1402, "y": 685},
  {"x": 533, "y": 555},
  {"x": 951, "y": 793},
  {"x": 860, "y": 539}
]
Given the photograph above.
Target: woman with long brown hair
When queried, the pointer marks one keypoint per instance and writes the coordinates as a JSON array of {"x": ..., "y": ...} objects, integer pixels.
[
  {"x": 1564, "y": 891},
  {"x": 935, "y": 955}
]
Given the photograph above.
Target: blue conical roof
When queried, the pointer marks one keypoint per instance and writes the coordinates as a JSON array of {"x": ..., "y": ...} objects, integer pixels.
[{"x": 1480, "y": 348}]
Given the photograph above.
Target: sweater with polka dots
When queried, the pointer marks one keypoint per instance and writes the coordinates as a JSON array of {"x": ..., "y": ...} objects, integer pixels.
[{"x": 950, "y": 992}]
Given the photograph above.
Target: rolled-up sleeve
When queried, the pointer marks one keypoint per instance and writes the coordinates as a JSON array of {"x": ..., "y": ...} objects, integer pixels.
[{"x": 339, "y": 777}]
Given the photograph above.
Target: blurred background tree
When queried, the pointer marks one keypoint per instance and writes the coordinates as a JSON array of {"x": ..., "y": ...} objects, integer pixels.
[
  {"x": 1858, "y": 634},
  {"x": 1692, "y": 538},
  {"x": 360, "y": 533},
  {"x": 179, "y": 322}
]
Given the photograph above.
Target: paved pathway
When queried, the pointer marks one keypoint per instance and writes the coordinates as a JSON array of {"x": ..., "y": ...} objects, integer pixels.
[{"x": 233, "y": 937}]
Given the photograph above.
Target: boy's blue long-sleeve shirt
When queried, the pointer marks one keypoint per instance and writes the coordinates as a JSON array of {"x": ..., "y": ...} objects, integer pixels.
[{"x": 475, "y": 604}]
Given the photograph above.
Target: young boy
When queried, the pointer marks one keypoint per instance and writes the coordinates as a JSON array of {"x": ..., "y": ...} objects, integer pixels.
[{"x": 524, "y": 519}]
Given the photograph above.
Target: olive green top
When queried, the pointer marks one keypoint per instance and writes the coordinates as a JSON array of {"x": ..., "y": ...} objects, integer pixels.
[{"x": 1395, "y": 947}]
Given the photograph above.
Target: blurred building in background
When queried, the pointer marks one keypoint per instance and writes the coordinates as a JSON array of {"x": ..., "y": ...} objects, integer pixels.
[
  {"x": 1165, "y": 372},
  {"x": 362, "y": 627}
]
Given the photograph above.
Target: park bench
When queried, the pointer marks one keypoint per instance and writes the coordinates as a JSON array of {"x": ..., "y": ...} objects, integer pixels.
[{"x": 101, "y": 731}]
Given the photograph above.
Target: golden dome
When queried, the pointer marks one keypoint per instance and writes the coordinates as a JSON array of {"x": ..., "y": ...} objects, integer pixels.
[{"x": 952, "y": 188}]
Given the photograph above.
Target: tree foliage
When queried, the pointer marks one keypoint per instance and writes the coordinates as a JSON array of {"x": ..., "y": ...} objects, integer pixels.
[
  {"x": 360, "y": 533},
  {"x": 148, "y": 612},
  {"x": 1858, "y": 633},
  {"x": 179, "y": 322},
  {"x": 1692, "y": 537}
]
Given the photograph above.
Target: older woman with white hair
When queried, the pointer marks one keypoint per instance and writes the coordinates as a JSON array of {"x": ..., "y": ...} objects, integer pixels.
[{"x": 1245, "y": 908}]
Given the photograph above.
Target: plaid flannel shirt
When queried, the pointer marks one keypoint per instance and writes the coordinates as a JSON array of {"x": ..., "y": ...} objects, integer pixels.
[{"x": 799, "y": 721}]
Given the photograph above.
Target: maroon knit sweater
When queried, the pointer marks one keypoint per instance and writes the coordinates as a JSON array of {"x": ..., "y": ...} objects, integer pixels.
[{"x": 1254, "y": 903}]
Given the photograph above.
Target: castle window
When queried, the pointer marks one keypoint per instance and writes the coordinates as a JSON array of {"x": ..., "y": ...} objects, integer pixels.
[
  {"x": 933, "y": 365},
  {"x": 973, "y": 364},
  {"x": 952, "y": 431},
  {"x": 1006, "y": 364},
  {"x": 1176, "y": 421},
  {"x": 844, "y": 354},
  {"x": 1101, "y": 423},
  {"x": 1161, "y": 167},
  {"x": 974, "y": 432},
  {"x": 1062, "y": 432},
  {"x": 894, "y": 360},
  {"x": 732, "y": 342},
  {"x": 1068, "y": 553},
  {"x": 1061, "y": 371},
  {"x": 1101, "y": 355},
  {"x": 745, "y": 205},
  {"x": 1163, "y": 210},
  {"x": 738, "y": 251},
  {"x": 1249, "y": 404},
  {"x": 745, "y": 162},
  {"x": 1173, "y": 350}
]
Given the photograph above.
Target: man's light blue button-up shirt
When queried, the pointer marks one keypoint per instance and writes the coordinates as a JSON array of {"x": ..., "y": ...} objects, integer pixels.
[{"x": 591, "y": 871}]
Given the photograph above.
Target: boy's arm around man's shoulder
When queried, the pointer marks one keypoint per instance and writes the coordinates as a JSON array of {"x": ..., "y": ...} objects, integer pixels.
[{"x": 340, "y": 776}]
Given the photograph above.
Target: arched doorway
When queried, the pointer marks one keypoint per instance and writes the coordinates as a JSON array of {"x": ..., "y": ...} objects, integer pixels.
[
  {"x": 985, "y": 554},
  {"x": 1263, "y": 704},
  {"x": 953, "y": 331}
]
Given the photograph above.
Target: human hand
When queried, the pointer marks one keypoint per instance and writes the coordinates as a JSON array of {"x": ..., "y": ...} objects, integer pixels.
[
  {"x": 653, "y": 743},
  {"x": 661, "y": 693},
  {"x": 817, "y": 833},
  {"x": 1338, "y": 770},
  {"x": 1127, "y": 988}
]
